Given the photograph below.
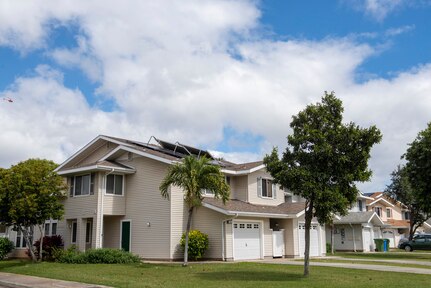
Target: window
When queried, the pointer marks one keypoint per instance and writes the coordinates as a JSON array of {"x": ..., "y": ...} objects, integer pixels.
[
  {"x": 50, "y": 227},
  {"x": 114, "y": 184},
  {"x": 265, "y": 188},
  {"x": 20, "y": 240},
  {"x": 2, "y": 229},
  {"x": 388, "y": 213},
  {"x": 207, "y": 192},
  {"x": 407, "y": 215},
  {"x": 378, "y": 210},
  {"x": 360, "y": 205},
  {"x": 82, "y": 185},
  {"x": 88, "y": 232},
  {"x": 74, "y": 231}
]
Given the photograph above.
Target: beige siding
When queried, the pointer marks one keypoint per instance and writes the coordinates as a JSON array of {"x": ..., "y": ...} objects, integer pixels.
[
  {"x": 114, "y": 205},
  {"x": 252, "y": 190},
  {"x": 178, "y": 221},
  {"x": 289, "y": 237},
  {"x": 111, "y": 231},
  {"x": 239, "y": 186},
  {"x": 149, "y": 212},
  {"x": 97, "y": 154}
]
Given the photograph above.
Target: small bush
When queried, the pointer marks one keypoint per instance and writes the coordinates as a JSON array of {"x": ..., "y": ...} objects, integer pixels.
[
  {"x": 328, "y": 248},
  {"x": 96, "y": 256},
  {"x": 198, "y": 244},
  {"x": 49, "y": 244},
  {"x": 6, "y": 246}
]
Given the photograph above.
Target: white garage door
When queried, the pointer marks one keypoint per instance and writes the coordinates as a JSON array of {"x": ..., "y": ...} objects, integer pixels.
[
  {"x": 246, "y": 240},
  {"x": 314, "y": 239}
]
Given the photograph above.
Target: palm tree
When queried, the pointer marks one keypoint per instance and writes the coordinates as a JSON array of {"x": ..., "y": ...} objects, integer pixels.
[{"x": 194, "y": 175}]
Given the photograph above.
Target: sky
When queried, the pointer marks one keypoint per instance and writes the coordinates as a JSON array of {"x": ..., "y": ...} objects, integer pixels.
[{"x": 226, "y": 76}]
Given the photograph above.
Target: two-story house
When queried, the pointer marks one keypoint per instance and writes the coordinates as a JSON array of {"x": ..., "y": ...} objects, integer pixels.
[{"x": 114, "y": 201}]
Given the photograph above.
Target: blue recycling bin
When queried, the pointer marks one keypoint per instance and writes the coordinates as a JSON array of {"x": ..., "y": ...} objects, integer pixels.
[{"x": 385, "y": 245}]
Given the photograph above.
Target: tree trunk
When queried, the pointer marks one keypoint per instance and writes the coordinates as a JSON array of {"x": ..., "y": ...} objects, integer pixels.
[
  {"x": 332, "y": 238},
  {"x": 41, "y": 242},
  {"x": 186, "y": 248},
  {"x": 24, "y": 233},
  {"x": 308, "y": 218},
  {"x": 412, "y": 224}
]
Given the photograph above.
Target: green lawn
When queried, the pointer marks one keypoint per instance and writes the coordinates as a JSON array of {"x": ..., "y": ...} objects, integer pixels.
[
  {"x": 405, "y": 264},
  {"x": 419, "y": 256},
  {"x": 215, "y": 275}
]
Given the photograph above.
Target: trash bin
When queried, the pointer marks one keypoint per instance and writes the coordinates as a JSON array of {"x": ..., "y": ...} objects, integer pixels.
[
  {"x": 385, "y": 245},
  {"x": 379, "y": 244}
]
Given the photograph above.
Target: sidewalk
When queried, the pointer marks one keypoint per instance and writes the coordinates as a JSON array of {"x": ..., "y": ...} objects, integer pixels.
[
  {"x": 10, "y": 280},
  {"x": 354, "y": 266}
]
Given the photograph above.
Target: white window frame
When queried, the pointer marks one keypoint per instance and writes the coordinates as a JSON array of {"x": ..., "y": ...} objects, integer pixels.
[
  {"x": 207, "y": 192},
  {"x": 273, "y": 188},
  {"x": 71, "y": 232},
  {"x": 90, "y": 183},
  {"x": 122, "y": 186},
  {"x": 21, "y": 242},
  {"x": 388, "y": 213},
  {"x": 360, "y": 207},
  {"x": 376, "y": 209},
  {"x": 50, "y": 224}
]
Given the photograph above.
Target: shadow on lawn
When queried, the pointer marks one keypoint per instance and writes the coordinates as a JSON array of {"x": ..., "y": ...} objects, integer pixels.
[
  {"x": 12, "y": 263},
  {"x": 249, "y": 276}
]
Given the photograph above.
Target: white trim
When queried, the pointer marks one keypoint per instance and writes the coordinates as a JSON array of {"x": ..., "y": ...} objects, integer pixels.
[
  {"x": 319, "y": 238},
  {"x": 381, "y": 199},
  {"x": 122, "y": 188},
  {"x": 250, "y": 214},
  {"x": 243, "y": 172},
  {"x": 106, "y": 138},
  {"x": 141, "y": 153},
  {"x": 98, "y": 168},
  {"x": 375, "y": 215},
  {"x": 130, "y": 233},
  {"x": 262, "y": 244}
]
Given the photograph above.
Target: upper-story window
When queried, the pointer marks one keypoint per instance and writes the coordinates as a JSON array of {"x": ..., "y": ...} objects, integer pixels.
[
  {"x": 360, "y": 205},
  {"x": 82, "y": 185},
  {"x": 406, "y": 215},
  {"x": 114, "y": 184},
  {"x": 265, "y": 188},
  {"x": 207, "y": 192},
  {"x": 388, "y": 213},
  {"x": 378, "y": 210}
]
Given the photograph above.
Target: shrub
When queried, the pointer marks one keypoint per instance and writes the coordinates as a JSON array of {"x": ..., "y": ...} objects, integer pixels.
[
  {"x": 6, "y": 246},
  {"x": 49, "y": 244},
  {"x": 328, "y": 248},
  {"x": 96, "y": 256},
  {"x": 198, "y": 244}
]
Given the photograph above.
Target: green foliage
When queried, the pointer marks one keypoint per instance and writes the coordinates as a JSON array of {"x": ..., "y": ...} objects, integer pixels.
[
  {"x": 324, "y": 158},
  {"x": 6, "y": 246},
  {"x": 328, "y": 248},
  {"x": 411, "y": 184},
  {"x": 323, "y": 161},
  {"x": 30, "y": 193},
  {"x": 96, "y": 256},
  {"x": 198, "y": 244},
  {"x": 49, "y": 246}
]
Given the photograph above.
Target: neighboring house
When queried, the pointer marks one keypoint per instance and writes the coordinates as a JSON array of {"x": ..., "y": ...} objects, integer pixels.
[
  {"x": 114, "y": 201},
  {"x": 395, "y": 215},
  {"x": 356, "y": 231}
]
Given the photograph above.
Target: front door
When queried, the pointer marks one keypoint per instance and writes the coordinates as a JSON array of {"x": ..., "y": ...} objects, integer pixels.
[{"x": 125, "y": 235}]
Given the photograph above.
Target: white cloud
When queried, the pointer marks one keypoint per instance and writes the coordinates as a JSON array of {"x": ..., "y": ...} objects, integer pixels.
[
  {"x": 379, "y": 9},
  {"x": 168, "y": 65}
]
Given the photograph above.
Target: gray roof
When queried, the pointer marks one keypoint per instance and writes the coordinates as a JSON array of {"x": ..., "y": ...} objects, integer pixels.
[
  {"x": 355, "y": 218},
  {"x": 236, "y": 206}
]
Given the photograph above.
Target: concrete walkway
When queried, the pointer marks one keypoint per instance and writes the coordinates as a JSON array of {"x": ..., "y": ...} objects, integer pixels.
[
  {"x": 356, "y": 266},
  {"x": 414, "y": 262},
  {"x": 10, "y": 280}
]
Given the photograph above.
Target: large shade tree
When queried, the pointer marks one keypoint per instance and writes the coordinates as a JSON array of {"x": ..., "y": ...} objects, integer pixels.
[
  {"x": 323, "y": 161},
  {"x": 194, "y": 175},
  {"x": 411, "y": 184},
  {"x": 401, "y": 189},
  {"x": 30, "y": 193}
]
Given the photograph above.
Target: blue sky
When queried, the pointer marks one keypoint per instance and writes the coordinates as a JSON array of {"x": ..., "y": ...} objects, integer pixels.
[{"x": 222, "y": 75}]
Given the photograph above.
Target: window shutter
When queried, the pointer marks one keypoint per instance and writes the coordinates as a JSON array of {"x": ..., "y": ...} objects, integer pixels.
[
  {"x": 274, "y": 191},
  {"x": 71, "y": 182},
  {"x": 92, "y": 177},
  {"x": 259, "y": 186}
]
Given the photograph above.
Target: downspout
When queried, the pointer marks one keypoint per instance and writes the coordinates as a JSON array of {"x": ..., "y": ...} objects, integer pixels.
[
  {"x": 223, "y": 235},
  {"x": 102, "y": 206},
  {"x": 354, "y": 242}
]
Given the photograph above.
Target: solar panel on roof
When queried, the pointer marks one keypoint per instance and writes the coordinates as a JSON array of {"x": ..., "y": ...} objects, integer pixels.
[{"x": 184, "y": 149}]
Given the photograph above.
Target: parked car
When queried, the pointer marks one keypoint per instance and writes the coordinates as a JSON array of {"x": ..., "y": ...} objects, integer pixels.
[{"x": 419, "y": 242}]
